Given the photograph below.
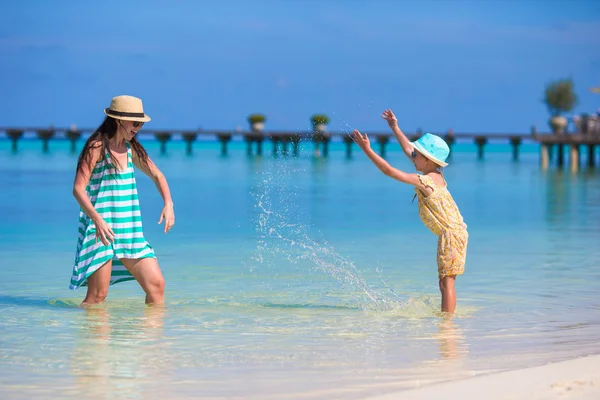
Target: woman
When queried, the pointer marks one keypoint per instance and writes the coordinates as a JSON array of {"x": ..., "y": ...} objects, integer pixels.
[{"x": 111, "y": 247}]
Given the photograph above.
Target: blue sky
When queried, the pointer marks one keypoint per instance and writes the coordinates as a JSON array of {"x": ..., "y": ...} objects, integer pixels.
[{"x": 474, "y": 66}]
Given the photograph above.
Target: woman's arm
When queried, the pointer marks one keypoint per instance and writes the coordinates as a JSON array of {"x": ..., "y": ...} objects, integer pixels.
[
  {"x": 82, "y": 178},
  {"x": 150, "y": 169}
]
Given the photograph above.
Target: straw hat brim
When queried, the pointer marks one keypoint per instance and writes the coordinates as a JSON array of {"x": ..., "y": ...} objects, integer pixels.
[
  {"x": 428, "y": 155},
  {"x": 127, "y": 116}
]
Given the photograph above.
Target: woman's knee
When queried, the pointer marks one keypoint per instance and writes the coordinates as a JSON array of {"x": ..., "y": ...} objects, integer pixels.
[
  {"x": 156, "y": 285},
  {"x": 98, "y": 283},
  {"x": 147, "y": 272}
]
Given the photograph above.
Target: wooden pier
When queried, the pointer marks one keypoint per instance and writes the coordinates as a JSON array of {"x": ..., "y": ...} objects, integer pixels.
[
  {"x": 284, "y": 141},
  {"x": 574, "y": 142}
]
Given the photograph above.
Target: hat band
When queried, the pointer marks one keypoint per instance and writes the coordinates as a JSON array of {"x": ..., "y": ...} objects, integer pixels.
[{"x": 126, "y": 114}]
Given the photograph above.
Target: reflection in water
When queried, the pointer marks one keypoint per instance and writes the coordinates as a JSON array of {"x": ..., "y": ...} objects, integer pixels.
[
  {"x": 256, "y": 165},
  {"x": 571, "y": 203},
  {"x": 570, "y": 197},
  {"x": 449, "y": 357},
  {"x": 557, "y": 197},
  {"x": 116, "y": 352},
  {"x": 453, "y": 361},
  {"x": 451, "y": 340}
]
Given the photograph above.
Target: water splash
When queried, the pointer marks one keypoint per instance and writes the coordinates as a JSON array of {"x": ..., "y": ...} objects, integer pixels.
[{"x": 282, "y": 234}]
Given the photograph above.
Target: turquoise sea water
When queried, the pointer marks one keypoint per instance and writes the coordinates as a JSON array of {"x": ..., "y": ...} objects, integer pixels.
[{"x": 305, "y": 278}]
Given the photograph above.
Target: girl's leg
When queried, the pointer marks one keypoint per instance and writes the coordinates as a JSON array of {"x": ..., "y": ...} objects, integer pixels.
[
  {"x": 448, "y": 293},
  {"x": 98, "y": 285},
  {"x": 149, "y": 276}
]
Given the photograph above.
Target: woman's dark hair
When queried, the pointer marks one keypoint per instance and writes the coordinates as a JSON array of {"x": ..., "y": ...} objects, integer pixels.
[{"x": 107, "y": 130}]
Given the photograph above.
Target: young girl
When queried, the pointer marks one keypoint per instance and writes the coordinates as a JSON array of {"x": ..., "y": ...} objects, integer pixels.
[
  {"x": 111, "y": 247},
  {"x": 437, "y": 208}
]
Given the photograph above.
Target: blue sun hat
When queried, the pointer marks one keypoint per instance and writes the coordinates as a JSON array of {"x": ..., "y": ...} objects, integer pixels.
[{"x": 433, "y": 147}]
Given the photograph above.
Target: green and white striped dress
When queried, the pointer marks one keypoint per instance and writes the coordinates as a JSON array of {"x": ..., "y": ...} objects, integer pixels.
[{"x": 113, "y": 194}]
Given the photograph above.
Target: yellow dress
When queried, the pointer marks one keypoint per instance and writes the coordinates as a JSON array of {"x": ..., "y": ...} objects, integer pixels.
[{"x": 440, "y": 214}]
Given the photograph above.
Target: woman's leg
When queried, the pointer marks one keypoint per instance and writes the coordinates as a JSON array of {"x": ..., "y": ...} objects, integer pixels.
[
  {"x": 98, "y": 284},
  {"x": 448, "y": 293},
  {"x": 149, "y": 276}
]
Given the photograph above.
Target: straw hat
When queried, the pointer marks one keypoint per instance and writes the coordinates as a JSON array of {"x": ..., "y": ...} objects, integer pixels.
[
  {"x": 127, "y": 108},
  {"x": 434, "y": 148}
]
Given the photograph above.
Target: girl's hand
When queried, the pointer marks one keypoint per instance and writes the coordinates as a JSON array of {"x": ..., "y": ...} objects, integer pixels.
[
  {"x": 168, "y": 215},
  {"x": 389, "y": 116},
  {"x": 360, "y": 140},
  {"x": 104, "y": 232}
]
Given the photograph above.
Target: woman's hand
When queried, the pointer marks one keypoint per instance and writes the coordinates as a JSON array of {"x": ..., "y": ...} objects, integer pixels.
[
  {"x": 168, "y": 215},
  {"x": 360, "y": 140},
  {"x": 104, "y": 232}
]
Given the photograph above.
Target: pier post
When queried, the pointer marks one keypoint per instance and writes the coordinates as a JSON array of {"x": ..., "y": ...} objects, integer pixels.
[
  {"x": 544, "y": 157},
  {"x": 259, "y": 142},
  {"x": 561, "y": 154},
  {"x": 248, "y": 141},
  {"x": 163, "y": 138},
  {"x": 296, "y": 144},
  {"x": 224, "y": 138},
  {"x": 254, "y": 137},
  {"x": 348, "y": 141},
  {"x": 320, "y": 137},
  {"x": 285, "y": 141},
  {"x": 275, "y": 140},
  {"x": 574, "y": 156},
  {"x": 73, "y": 135},
  {"x": 189, "y": 138},
  {"x": 480, "y": 141},
  {"x": 549, "y": 146},
  {"x": 591, "y": 155},
  {"x": 45, "y": 135},
  {"x": 14, "y": 135},
  {"x": 382, "y": 140},
  {"x": 515, "y": 142}
]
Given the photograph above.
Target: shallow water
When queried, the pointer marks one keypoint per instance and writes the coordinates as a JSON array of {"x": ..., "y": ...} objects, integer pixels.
[{"x": 302, "y": 278}]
